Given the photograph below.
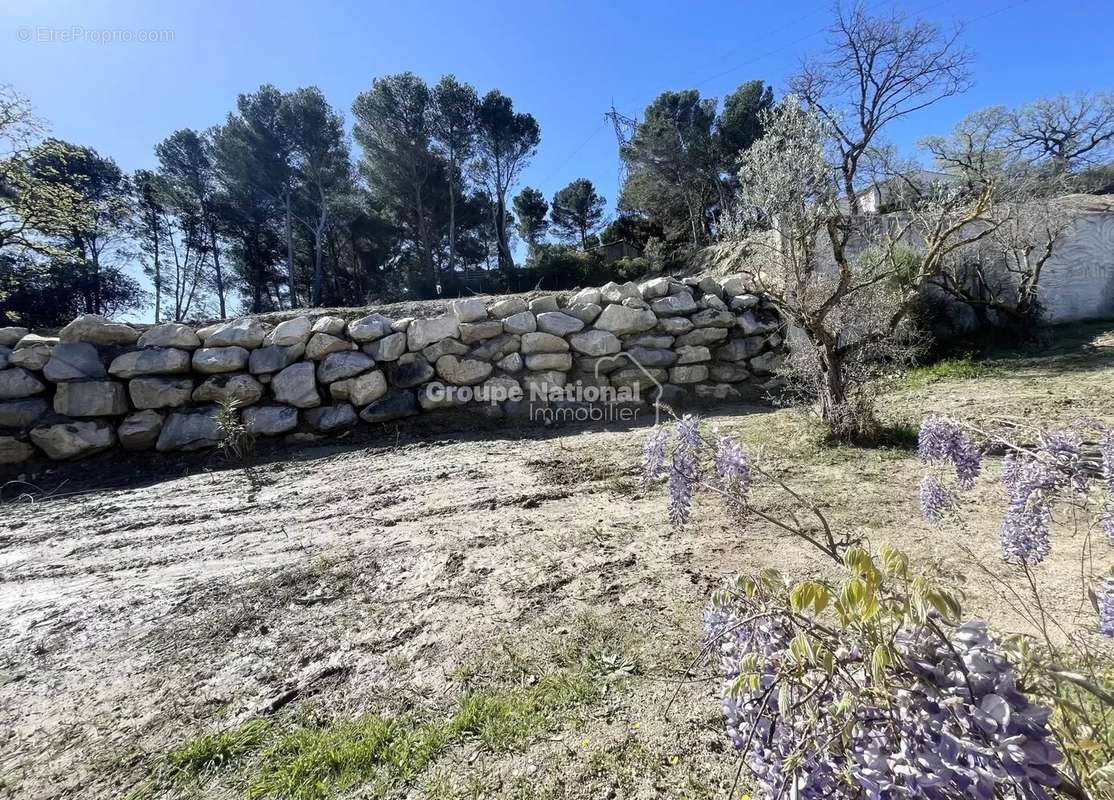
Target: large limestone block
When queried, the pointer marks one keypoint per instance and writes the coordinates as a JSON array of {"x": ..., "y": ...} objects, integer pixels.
[
  {"x": 445, "y": 347},
  {"x": 347, "y": 364},
  {"x": 160, "y": 392},
  {"x": 549, "y": 361},
  {"x": 33, "y": 358},
  {"x": 612, "y": 292},
  {"x": 494, "y": 349},
  {"x": 752, "y": 325},
  {"x": 472, "y": 332},
  {"x": 713, "y": 318},
  {"x": 156, "y": 361},
  {"x": 463, "y": 371},
  {"x": 191, "y": 429},
  {"x": 22, "y": 414},
  {"x": 648, "y": 357},
  {"x": 392, "y": 406},
  {"x": 272, "y": 358},
  {"x": 674, "y": 305},
  {"x": 694, "y": 354},
  {"x": 322, "y": 344},
  {"x": 619, "y": 319},
  {"x": 95, "y": 329},
  {"x": 331, "y": 418},
  {"x": 595, "y": 343},
  {"x": 389, "y": 348},
  {"x": 10, "y": 336},
  {"x": 585, "y": 312},
  {"x": 692, "y": 373},
  {"x": 17, "y": 383},
  {"x": 543, "y": 343},
  {"x": 740, "y": 349},
  {"x": 170, "y": 334},
  {"x": 297, "y": 386},
  {"x": 367, "y": 388},
  {"x": 586, "y": 297},
  {"x": 14, "y": 451},
  {"x": 424, "y": 332},
  {"x": 701, "y": 336},
  {"x": 469, "y": 309},
  {"x": 213, "y": 360},
  {"x": 242, "y": 389},
  {"x": 675, "y": 326},
  {"x": 558, "y": 323},
  {"x": 289, "y": 333},
  {"x": 539, "y": 305},
  {"x": 655, "y": 288},
  {"x": 369, "y": 328},
  {"x": 140, "y": 431},
  {"x": 523, "y": 322},
  {"x": 91, "y": 399},
  {"x": 70, "y": 439},
  {"x": 334, "y": 326},
  {"x": 508, "y": 308},
  {"x": 270, "y": 420},
  {"x": 74, "y": 361},
  {"x": 245, "y": 332},
  {"x": 409, "y": 371},
  {"x": 735, "y": 285}
]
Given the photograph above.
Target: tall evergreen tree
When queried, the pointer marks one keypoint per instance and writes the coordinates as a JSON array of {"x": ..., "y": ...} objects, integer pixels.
[
  {"x": 577, "y": 211},
  {"x": 505, "y": 143},
  {"x": 530, "y": 208},
  {"x": 455, "y": 106}
]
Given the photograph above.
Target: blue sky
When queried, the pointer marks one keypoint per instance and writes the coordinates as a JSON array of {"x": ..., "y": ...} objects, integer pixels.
[{"x": 564, "y": 62}]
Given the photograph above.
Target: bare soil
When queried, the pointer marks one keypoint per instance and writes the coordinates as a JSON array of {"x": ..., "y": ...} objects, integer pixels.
[{"x": 147, "y": 604}]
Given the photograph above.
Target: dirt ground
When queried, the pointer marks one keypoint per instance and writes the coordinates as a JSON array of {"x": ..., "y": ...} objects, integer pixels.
[{"x": 144, "y": 607}]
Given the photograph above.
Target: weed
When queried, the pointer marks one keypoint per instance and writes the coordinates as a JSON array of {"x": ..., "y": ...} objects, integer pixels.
[
  {"x": 963, "y": 367},
  {"x": 214, "y": 751}
]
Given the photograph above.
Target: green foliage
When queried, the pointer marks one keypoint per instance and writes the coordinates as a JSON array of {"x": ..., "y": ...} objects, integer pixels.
[
  {"x": 377, "y": 754},
  {"x": 577, "y": 211},
  {"x": 374, "y": 752},
  {"x": 964, "y": 367},
  {"x": 236, "y": 440},
  {"x": 530, "y": 208},
  {"x": 206, "y": 754}
]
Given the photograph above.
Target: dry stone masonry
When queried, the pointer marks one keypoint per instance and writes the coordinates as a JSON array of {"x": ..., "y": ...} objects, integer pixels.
[{"x": 100, "y": 384}]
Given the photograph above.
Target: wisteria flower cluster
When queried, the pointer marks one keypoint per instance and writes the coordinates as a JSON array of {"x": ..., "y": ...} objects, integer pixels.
[
  {"x": 947, "y": 722},
  {"x": 730, "y": 467}
]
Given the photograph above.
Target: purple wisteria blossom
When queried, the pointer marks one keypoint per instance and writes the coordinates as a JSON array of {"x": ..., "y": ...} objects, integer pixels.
[
  {"x": 953, "y": 723},
  {"x": 733, "y": 470},
  {"x": 1025, "y": 529},
  {"x": 1065, "y": 449},
  {"x": 684, "y": 470},
  {"x": 941, "y": 440},
  {"x": 653, "y": 455},
  {"x": 935, "y": 499},
  {"x": 1108, "y": 521},
  {"x": 1106, "y": 609}
]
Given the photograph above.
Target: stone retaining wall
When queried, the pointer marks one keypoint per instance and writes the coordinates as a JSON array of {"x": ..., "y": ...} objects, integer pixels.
[{"x": 102, "y": 384}]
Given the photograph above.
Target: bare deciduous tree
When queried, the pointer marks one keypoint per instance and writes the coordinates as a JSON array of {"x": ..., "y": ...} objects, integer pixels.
[
  {"x": 878, "y": 69},
  {"x": 1068, "y": 131}
]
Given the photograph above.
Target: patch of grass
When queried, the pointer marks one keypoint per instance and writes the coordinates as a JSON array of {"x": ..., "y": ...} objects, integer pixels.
[
  {"x": 379, "y": 754},
  {"x": 963, "y": 367},
  {"x": 507, "y": 720},
  {"x": 214, "y": 751},
  {"x": 375, "y": 753}
]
